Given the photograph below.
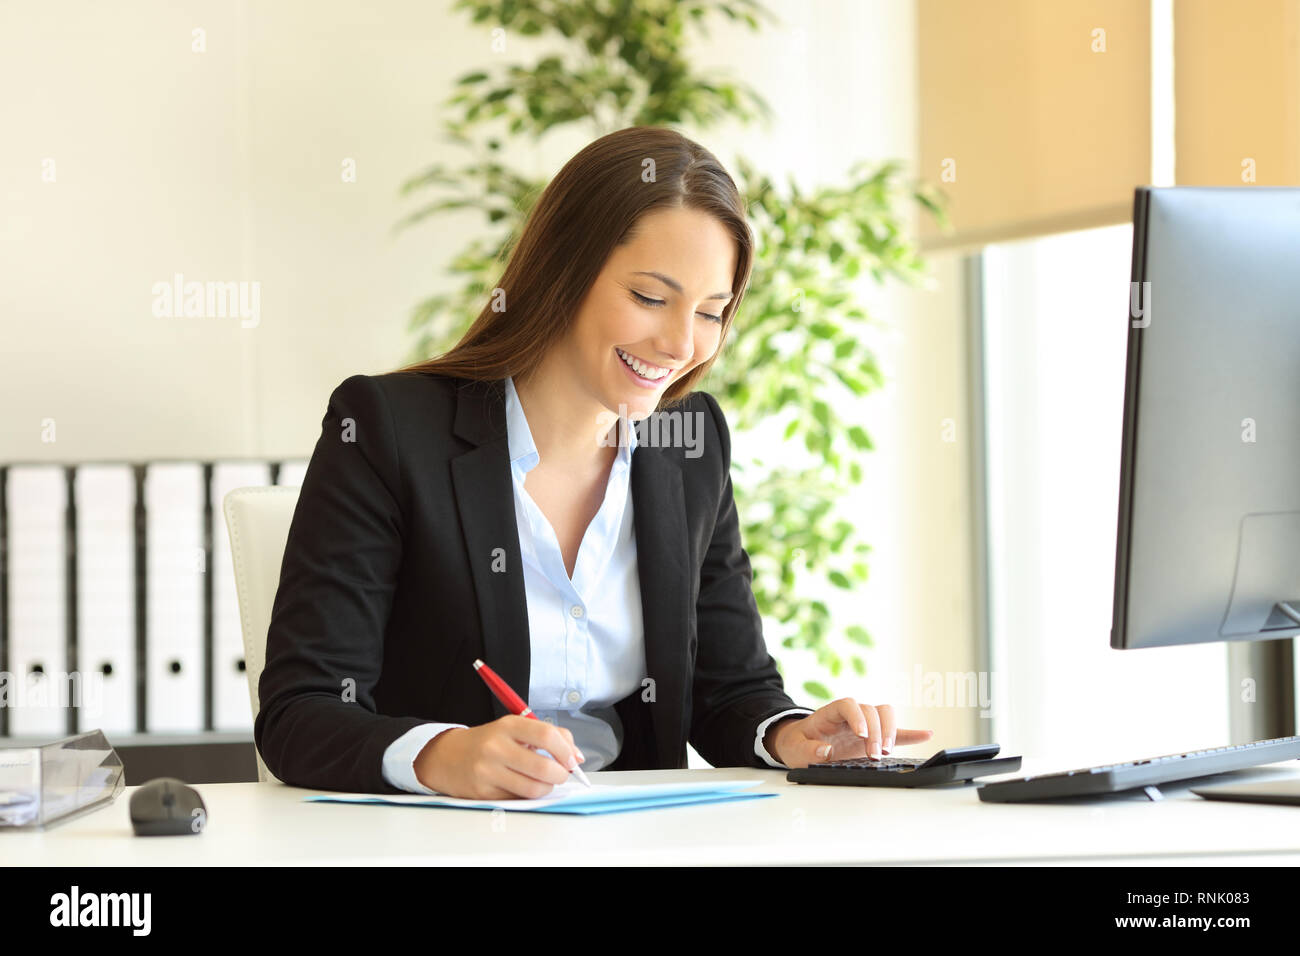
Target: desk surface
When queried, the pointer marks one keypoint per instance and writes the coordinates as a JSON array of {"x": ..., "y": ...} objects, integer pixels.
[{"x": 269, "y": 824}]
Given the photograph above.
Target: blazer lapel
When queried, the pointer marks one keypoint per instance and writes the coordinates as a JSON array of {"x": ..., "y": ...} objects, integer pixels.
[
  {"x": 485, "y": 498},
  {"x": 663, "y": 567},
  {"x": 482, "y": 481}
]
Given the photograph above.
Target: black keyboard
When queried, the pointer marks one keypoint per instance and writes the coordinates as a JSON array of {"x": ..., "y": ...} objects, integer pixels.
[{"x": 1135, "y": 774}]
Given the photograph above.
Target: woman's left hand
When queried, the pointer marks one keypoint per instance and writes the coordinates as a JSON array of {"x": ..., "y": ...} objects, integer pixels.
[{"x": 841, "y": 730}]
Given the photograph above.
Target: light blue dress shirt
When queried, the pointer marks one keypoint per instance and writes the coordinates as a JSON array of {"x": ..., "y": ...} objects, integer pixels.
[{"x": 587, "y": 635}]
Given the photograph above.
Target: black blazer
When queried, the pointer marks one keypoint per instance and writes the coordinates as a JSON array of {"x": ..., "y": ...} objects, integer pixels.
[{"x": 387, "y": 590}]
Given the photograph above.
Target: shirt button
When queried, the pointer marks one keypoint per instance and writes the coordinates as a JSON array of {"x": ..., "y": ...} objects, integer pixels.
[
  {"x": 576, "y": 610},
  {"x": 574, "y": 697}
]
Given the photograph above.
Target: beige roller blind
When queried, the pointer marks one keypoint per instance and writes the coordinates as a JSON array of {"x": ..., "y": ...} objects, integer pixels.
[
  {"x": 1035, "y": 114},
  {"x": 1237, "y": 92}
]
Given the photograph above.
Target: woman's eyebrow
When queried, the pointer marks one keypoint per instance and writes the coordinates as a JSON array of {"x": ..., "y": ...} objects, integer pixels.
[{"x": 677, "y": 286}]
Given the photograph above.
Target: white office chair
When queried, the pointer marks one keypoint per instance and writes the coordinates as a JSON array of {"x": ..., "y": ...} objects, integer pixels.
[{"x": 258, "y": 520}]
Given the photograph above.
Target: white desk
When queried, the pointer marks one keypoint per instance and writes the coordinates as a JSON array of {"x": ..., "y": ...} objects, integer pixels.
[{"x": 268, "y": 824}]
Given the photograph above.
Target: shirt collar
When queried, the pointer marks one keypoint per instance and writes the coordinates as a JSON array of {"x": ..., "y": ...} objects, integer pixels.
[{"x": 523, "y": 450}]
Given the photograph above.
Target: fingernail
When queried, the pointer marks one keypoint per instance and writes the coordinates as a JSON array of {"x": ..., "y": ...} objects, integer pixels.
[
  {"x": 824, "y": 751},
  {"x": 580, "y": 755},
  {"x": 889, "y": 744},
  {"x": 573, "y": 764},
  {"x": 864, "y": 734}
]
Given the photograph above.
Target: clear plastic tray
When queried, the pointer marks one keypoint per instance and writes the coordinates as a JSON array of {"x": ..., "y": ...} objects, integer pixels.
[{"x": 46, "y": 785}]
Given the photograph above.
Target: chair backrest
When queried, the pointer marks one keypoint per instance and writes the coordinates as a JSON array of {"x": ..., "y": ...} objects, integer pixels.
[{"x": 258, "y": 520}]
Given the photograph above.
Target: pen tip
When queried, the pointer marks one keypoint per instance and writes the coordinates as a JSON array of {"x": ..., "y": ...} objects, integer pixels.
[{"x": 477, "y": 664}]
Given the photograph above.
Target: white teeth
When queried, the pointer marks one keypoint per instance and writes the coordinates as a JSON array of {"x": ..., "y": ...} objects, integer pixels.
[{"x": 645, "y": 371}]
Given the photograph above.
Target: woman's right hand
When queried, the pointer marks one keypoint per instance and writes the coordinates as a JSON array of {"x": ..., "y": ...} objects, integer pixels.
[{"x": 498, "y": 760}]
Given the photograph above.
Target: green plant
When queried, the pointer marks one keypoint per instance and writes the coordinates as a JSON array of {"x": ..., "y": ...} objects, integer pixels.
[{"x": 795, "y": 351}]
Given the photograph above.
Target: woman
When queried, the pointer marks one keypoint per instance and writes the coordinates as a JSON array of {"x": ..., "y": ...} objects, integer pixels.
[{"x": 508, "y": 502}]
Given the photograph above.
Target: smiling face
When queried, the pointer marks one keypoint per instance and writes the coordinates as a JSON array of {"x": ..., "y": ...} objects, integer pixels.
[{"x": 658, "y": 301}]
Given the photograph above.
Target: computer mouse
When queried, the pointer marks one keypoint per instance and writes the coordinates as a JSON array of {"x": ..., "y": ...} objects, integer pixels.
[{"x": 167, "y": 807}]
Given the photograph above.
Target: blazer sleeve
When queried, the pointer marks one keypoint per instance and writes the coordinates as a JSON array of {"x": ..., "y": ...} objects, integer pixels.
[
  {"x": 317, "y": 725},
  {"x": 736, "y": 685}
]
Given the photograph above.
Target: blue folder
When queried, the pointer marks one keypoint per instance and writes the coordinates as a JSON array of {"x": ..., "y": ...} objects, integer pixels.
[{"x": 573, "y": 797}]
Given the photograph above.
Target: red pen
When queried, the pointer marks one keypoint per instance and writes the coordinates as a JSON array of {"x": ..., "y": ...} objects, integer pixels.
[{"x": 514, "y": 703}]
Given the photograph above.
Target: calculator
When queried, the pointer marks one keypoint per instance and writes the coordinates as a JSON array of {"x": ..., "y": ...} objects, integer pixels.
[{"x": 947, "y": 766}]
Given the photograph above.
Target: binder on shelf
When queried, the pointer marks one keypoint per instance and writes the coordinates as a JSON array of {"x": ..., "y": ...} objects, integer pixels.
[
  {"x": 231, "y": 701},
  {"x": 176, "y": 565},
  {"x": 105, "y": 500},
  {"x": 39, "y": 683}
]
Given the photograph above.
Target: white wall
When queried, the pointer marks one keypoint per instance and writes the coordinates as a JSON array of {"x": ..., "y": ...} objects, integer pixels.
[{"x": 223, "y": 165}]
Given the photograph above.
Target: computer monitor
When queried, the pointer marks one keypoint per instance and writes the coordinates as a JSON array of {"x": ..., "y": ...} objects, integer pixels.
[{"x": 1208, "y": 546}]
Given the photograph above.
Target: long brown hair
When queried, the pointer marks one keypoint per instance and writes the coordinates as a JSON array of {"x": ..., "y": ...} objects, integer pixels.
[{"x": 590, "y": 207}]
